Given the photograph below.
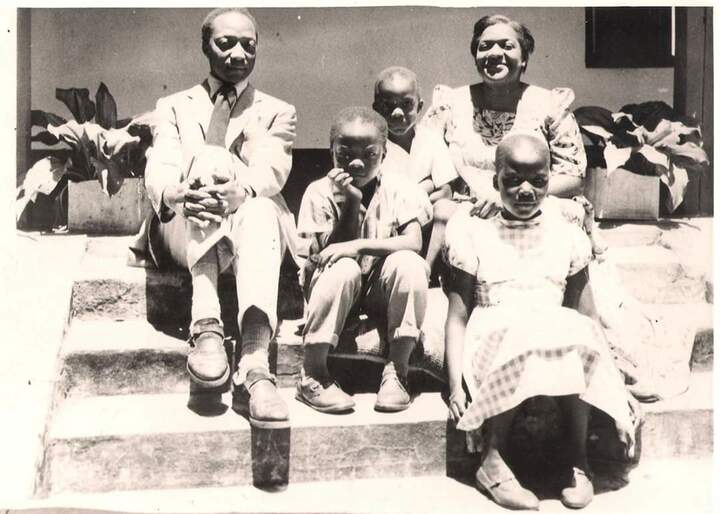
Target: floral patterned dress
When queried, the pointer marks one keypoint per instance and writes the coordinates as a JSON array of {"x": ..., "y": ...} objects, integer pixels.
[
  {"x": 473, "y": 132},
  {"x": 520, "y": 341}
]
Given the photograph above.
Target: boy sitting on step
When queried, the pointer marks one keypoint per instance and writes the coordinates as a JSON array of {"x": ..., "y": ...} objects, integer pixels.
[{"x": 364, "y": 232}]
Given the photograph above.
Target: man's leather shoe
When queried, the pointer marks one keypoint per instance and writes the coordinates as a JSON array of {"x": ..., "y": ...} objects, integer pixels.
[
  {"x": 258, "y": 399},
  {"x": 207, "y": 362}
]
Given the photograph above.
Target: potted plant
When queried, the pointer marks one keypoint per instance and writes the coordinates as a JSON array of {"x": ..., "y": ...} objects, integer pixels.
[
  {"x": 94, "y": 167},
  {"x": 640, "y": 159}
]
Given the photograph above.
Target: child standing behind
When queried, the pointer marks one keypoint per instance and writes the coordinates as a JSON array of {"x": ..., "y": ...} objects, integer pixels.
[
  {"x": 508, "y": 334},
  {"x": 364, "y": 231},
  {"x": 419, "y": 153}
]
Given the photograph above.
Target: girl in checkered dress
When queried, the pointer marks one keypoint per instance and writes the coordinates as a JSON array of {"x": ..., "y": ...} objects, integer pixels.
[{"x": 508, "y": 334}]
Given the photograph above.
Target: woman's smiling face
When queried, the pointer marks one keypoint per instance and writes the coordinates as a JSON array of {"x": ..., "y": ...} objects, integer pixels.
[{"x": 499, "y": 56}]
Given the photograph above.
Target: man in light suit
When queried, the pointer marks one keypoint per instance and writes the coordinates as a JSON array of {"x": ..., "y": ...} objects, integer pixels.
[{"x": 220, "y": 156}]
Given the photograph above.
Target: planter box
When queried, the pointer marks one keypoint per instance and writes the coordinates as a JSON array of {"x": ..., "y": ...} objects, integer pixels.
[
  {"x": 90, "y": 211},
  {"x": 622, "y": 194}
]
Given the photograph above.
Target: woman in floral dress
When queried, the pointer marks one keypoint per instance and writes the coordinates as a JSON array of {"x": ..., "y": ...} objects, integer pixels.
[{"x": 473, "y": 119}]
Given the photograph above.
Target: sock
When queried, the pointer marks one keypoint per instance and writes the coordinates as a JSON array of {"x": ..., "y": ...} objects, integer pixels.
[
  {"x": 255, "y": 342},
  {"x": 315, "y": 360},
  {"x": 205, "y": 301},
  {"x": 399, "y": 355}
]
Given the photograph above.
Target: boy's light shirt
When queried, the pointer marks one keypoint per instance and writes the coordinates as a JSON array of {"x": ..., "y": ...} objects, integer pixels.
[
  {"x": 429, "y": 157},
  {"x": 396, "y": 202}
]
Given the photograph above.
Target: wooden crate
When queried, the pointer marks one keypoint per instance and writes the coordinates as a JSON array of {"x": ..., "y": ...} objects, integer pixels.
[{"x": 622, "y": 194}]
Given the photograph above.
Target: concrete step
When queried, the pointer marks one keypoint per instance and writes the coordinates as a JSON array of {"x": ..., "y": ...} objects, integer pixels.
[
  {"x": 103, "y": 357},
  {"x": 621, "y": 234},
  {"x": 654, "y": 274},
  {"x": 103, "y": 443},
  {"x": 655, "y": 485},
  {"x": 106, "y": 357},
  {"x": 154, "y": 441},
  {"x": 107, "y": 288}
]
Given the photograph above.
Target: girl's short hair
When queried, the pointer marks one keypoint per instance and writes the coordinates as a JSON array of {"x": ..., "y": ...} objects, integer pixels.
[
  {"x": 364, "y": 114},
  {"x": 521, "y": 137},
  {"x": 526, "y": 39}
]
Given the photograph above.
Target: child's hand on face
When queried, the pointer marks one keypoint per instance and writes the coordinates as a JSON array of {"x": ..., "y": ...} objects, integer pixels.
[{"x": 343, "y": 181}]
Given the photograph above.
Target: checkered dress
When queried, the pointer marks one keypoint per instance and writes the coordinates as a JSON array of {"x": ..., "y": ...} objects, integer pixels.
[{"x": 520, "y": 342}]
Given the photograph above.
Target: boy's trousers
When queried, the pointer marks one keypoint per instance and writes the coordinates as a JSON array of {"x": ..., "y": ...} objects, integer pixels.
[{"x": 394, "y": 293}]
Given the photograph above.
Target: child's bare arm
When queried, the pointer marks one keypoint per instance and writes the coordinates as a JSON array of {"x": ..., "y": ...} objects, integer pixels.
[
  {"x": 427, "y": 185},
  {"x": 460, "y": 296},
  {"x": 579, "y": 296},
  {"x": 444, "y": 191},
  {"x": 565, "y": 186},
  {"x": 410, "y": 238},
  {"x": 348, "y": 225}
]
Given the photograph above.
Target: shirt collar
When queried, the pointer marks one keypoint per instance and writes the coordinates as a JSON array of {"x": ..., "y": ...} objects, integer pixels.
[
  {"x": 511, "y": 223},
  {"x": 215, "y": 84}
]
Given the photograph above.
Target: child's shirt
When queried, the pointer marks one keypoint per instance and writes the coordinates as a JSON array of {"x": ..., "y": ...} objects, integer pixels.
[
  {"x": 429, "y": 157},
  {"x": 517, "y": 262},
  {"x": 396, "y": 202}
]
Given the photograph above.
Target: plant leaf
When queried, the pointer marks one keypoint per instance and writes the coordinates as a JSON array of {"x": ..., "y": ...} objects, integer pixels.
[
  {"x": 44, "y": 177},
  {"x": 106, "y": 108},
  {"x": 77, "y": 100},
  {"x": 616, "y": 157},
  {"x": 43, "y": 119},
  {"x": 45, "y": 137},
  {"x": 123, "y": 122},
  {"x": 656, "y": 157},
  {"x": 142, "y": 126},
  {"x": 85, "y": 139},
  {"x": 108, "y": 173},
  {"x": 115, "y": 140},
  {"x": 676, "y": 180}
]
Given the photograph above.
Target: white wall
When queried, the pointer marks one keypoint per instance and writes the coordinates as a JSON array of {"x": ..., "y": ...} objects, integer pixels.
[{"x": 319, "y": 59}]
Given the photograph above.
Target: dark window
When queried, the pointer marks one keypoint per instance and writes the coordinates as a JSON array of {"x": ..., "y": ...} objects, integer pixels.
[{"x": 628, "y": 37}]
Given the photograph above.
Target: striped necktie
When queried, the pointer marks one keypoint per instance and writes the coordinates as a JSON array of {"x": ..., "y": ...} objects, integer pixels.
[{"x": 224, "y": 102}]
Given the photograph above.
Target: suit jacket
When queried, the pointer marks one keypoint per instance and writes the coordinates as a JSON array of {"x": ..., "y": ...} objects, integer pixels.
[{"x": 260, "y": 136}]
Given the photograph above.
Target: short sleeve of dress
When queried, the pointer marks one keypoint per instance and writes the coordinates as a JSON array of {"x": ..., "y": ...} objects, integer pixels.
[
  {"x": 580, "y": 249},
  {"x": 439, "y": 113},
  {"x": 458, "y": 248},
  {"x": 564, "y": 137}
]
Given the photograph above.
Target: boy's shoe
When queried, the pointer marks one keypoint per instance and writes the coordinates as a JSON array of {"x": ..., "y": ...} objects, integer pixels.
[
  {"x": 207, "y": 362},
  {"x": 323, "y": 395},
  {"x": 505, "y": 490},
  {"x": 258, "y": 399},
  {"x": 580, "y": 493},
  {"x": 393, "y": 395}
]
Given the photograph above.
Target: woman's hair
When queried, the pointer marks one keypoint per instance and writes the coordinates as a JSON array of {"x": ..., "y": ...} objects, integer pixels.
[
  {"x": 364, "y": 114},
  {"x": 527, "y": 42}
]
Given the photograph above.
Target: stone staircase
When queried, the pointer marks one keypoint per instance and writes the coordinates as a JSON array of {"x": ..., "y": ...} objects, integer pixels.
[{"x": 123, "y": 418}]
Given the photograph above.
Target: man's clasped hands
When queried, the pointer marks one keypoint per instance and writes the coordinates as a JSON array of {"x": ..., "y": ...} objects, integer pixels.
[{"x": 209, "y": 193}]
